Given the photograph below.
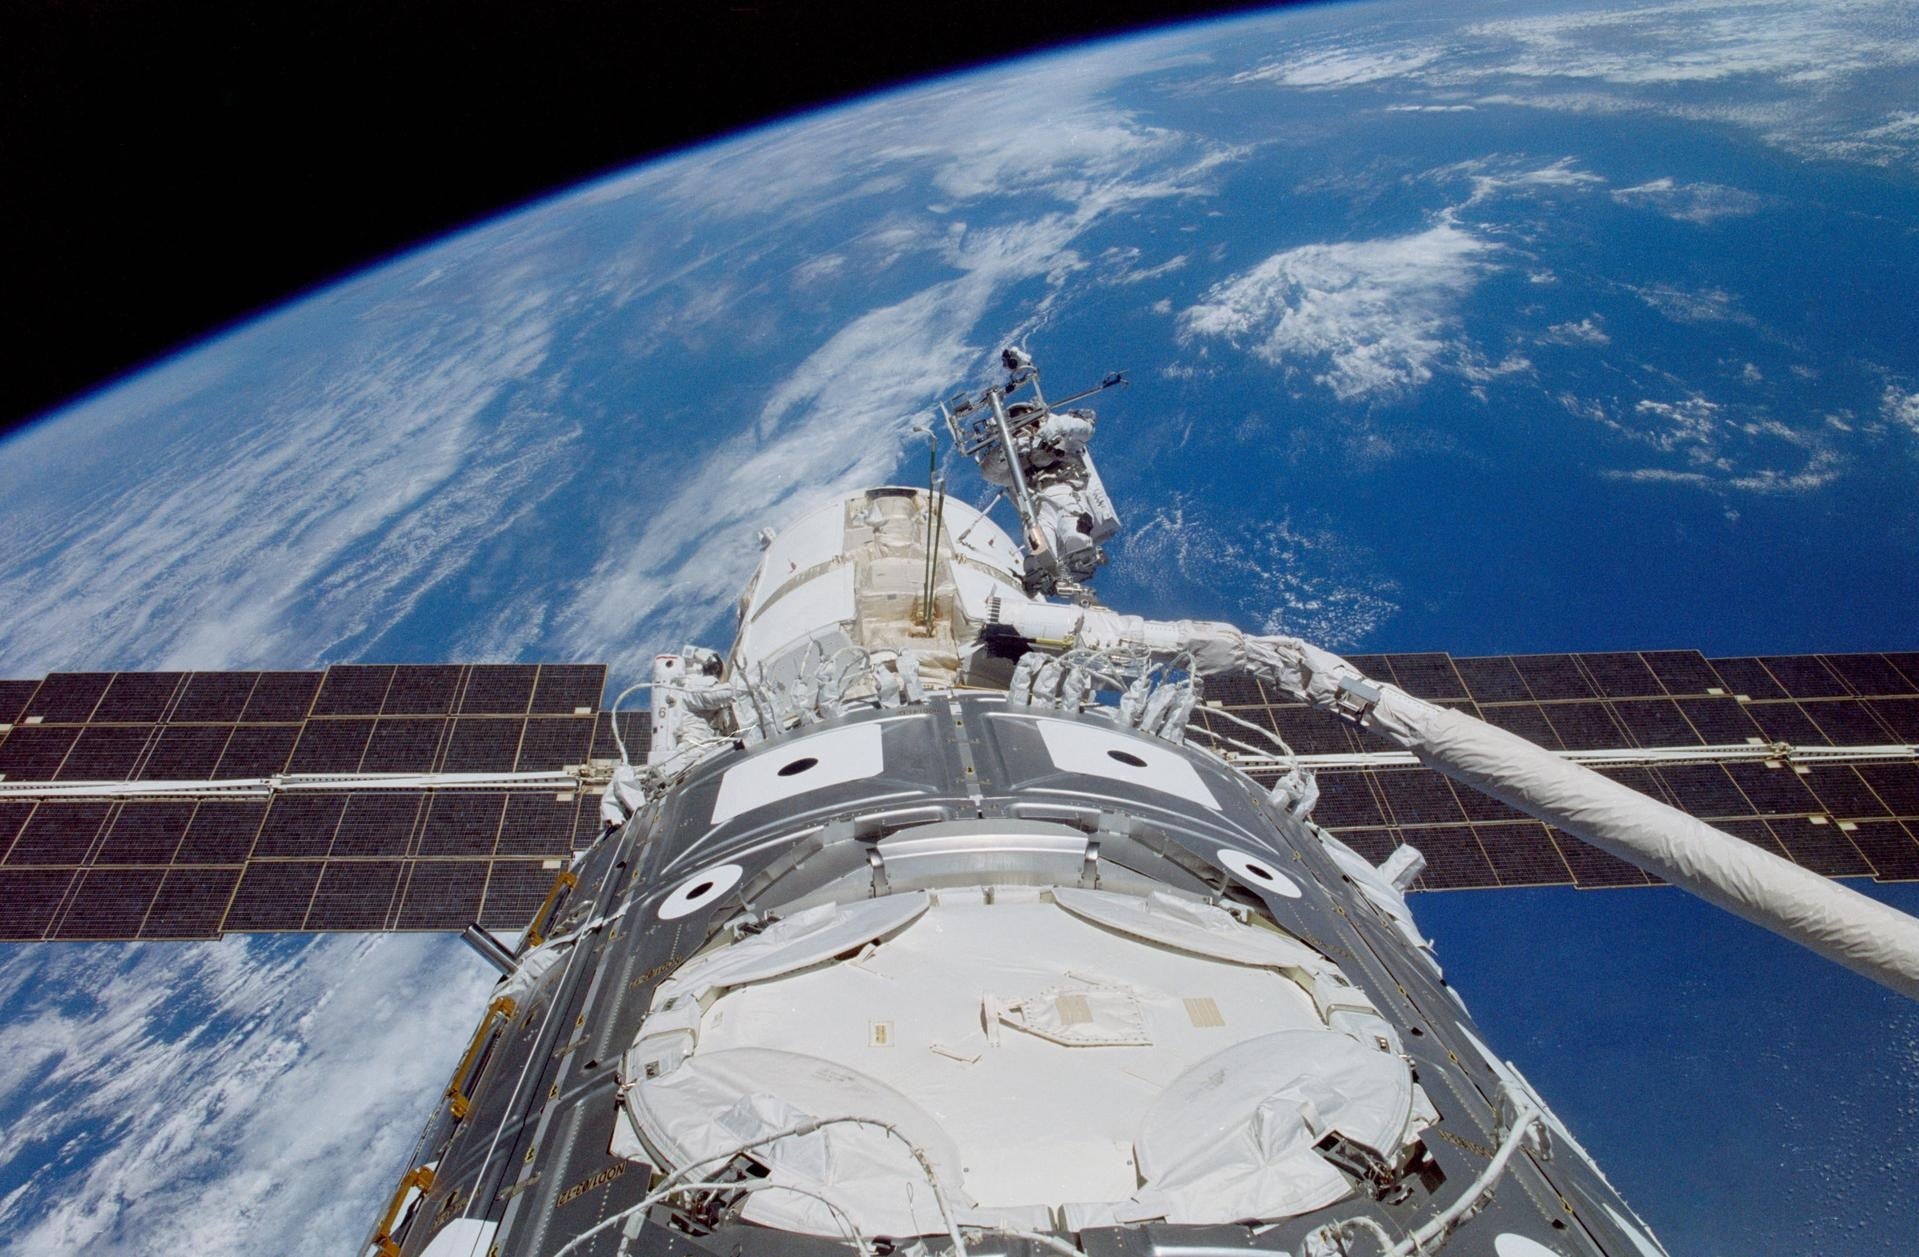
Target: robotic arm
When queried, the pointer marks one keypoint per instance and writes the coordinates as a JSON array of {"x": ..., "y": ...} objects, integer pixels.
[{"x": 1839, "y": 923}]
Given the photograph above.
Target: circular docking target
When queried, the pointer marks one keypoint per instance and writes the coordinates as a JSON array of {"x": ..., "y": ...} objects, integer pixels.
[
  {"x": 700, "y": 890},
  {"x": 1258, "y": 873}
]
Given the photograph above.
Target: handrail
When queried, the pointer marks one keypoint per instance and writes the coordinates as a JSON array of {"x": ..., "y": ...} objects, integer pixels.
[
  {"x": 383, "y": 1242},
  {"x": 536, "y": 930},
  {"x": 1733, "y": 753},
  {"x": 459, "y": 1101},
  {"x": 296, "y": 783}
]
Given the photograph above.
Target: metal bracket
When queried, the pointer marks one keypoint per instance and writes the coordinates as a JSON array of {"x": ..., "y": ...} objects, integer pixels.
[
  {"x": 1089, "y": 869},
  {"x": 1355, "y": 699},
  {"x": 1380, "y": 1178}
]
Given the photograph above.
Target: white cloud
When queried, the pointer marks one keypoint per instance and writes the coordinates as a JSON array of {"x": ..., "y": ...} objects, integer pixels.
[
  {"x": 1762, "y": 41},
  {"x": 1342, "y": 67},
  {"x": 1893, "y": 141},
  {"x": 1034, "y": 129},
  {"x": 1690, "y": 421},
  {"x": 1704, "y": 305},
  {"x": 1787, "y": 71},
  {"x": 294, "y": 1089},
  {"x": 1719, "y": 449},
  {"x": 1902, "y": 126},
  {"x": 1820, "y": 470},
  {"x": 353, "y": 481},
  {"x": 1564, "y": 173},
  {"x": 1598, "y": 103},
  {"x": 1374, "y": 316},
  {"x": 1588, "y": 331},
  {"x": 1123, "y": 266},
  {"x": 1490, "y": 177},
  {"x": 1476, "y": 368},
  {"x": 1898, "y": 406},
  {"x": 1689, "y": 202},
  {"x": 1001, "y": 148},
  {"x": 816, "y": 269}
]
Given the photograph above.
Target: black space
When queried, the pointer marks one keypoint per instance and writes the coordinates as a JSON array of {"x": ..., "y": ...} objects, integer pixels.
[{"x": 172, "y": 168}]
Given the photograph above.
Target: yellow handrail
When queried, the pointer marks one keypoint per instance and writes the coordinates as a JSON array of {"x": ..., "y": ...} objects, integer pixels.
[
  {"x": 536, "y": 932},
  {"x": 456, "y": 1091},
  {"x": 383, "y": 1242}
]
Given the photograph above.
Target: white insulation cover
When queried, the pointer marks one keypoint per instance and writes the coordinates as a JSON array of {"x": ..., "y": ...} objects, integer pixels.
[
  {"x": 1190, "y": 926},
  {"x": 803, "y": 939},
  {"x": 718, "y": 1101},
  {"x": 1839, "y": 923},
  {"x": 1233, "y": 1137}
]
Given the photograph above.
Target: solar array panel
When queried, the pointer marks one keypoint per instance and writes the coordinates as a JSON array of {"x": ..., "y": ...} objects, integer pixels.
[
  {"x": 352, "y": 859},
  {"x": 1856, "y": 819},
  {"x": 201, "y": 726},
  {"x": 359, "y": 860},
  {"x": 407, "y": 859}
]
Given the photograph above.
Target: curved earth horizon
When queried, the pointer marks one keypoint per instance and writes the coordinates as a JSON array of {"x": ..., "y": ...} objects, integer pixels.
[{"x": 1520, "y": 327}]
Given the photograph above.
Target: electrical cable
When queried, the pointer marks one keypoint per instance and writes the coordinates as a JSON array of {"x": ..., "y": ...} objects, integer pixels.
[
  {"x": 1440, "y": 1226},
  {"x": 675, "y": 1181},
  {"x": 846, "y": 1219}
]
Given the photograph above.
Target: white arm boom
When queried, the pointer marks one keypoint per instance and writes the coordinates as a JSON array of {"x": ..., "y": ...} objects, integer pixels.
[
  {"x": 1839, "y": 923},
  {"x": 1836, "y": 921}
]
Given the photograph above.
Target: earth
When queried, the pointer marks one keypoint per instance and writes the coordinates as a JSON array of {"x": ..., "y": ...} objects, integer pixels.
[{"x": 1514, "y": 328}]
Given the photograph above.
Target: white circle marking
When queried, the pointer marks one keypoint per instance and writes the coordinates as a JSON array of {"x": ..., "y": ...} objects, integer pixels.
[
  {"x": 1259, "y": 873},
  {"x": 699, "y": 890}
]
